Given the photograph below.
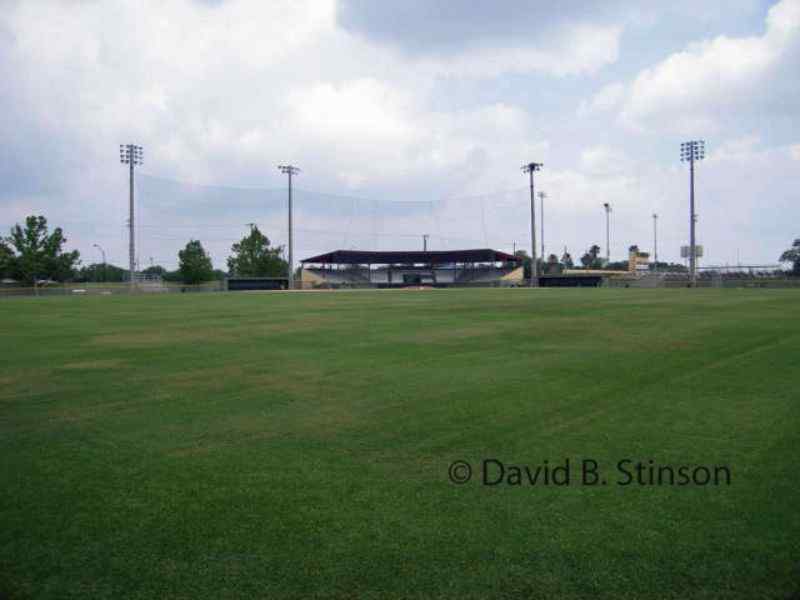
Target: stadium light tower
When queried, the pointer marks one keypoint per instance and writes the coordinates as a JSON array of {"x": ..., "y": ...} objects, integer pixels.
[
  {"x": 290, "y": 170},
  {"x": 531, "y": 168},
  {"x": 542, "y": 196},
  {"x": 690, "y": 152},
  {"x": 131, "y": 155},
  {"x": 607, "y": 206}
]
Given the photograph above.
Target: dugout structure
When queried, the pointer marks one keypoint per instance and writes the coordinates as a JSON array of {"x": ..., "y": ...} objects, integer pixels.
[
  {"x": 245, "y": 284},
  {"x": 439, "y": 268}
]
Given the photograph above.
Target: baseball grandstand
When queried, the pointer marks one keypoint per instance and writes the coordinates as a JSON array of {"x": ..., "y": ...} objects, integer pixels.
[{"x": 442, "y": 268}]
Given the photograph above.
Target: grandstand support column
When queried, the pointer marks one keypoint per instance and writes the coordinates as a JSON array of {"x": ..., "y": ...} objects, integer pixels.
[
  {"x": 290, "y": 170},
  {"x": 530, "y": 168}
]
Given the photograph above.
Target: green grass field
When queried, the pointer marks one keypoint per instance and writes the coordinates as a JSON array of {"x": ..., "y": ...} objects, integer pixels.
[{"x": 299, "y": 445}]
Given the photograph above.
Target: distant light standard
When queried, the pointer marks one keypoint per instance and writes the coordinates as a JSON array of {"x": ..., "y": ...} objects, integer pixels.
[
  {"x": 542, "y": 196},
  {"x": 290, "y": 170},
  {"x": 103, "y": 253},
  {"x": 131, "y": 155},
  {"x": 530, "y": 168},
  {"x": 655, "y": 240},
  {"x": 690, "y": 152},
  {"x": 607, "y": 206},
  {"x": 425, "y": 237}
]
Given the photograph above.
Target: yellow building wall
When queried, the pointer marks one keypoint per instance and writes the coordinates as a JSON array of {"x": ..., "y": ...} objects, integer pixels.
[{"x": 517, "y": 274}]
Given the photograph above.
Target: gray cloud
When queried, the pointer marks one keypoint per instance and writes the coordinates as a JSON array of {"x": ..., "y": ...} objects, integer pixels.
[
  {"x": 446, "y": 26},
  {"x": 442, "y": 27}
]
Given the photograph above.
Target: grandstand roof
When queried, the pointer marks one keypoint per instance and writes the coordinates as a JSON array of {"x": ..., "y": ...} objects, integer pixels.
[{"x": 362, "y": 257}]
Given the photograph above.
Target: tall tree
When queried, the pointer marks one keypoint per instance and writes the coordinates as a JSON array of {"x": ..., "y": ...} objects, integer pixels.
[
  {"x": 553, "y": 267},
  {"x": 566, "y": 260},
  {"x": 792, "y": 255},
  {"x": 591, "y": 259},
  {"x": 99, "y": 272},
  {"x": 6, "y": 260},
  {"x": 194, "y": 264},
  {"x": 526, "y": 262},
  {"x": 38, "y": 254},
  {"x": 154, "y": 271},
  {"x": 254, "y": 257}
]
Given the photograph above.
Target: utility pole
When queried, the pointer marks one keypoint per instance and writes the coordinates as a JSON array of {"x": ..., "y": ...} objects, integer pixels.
[
  {"x": 290, "y": 170},
  {"x": 425, "y": 237},
  {"x": 607, "y": 206},
  {"x": 103, "y": 253},
  {"x": 655, "y": 240},
  {"x": 514, "y": 251},
  {"x": 690, "y": 152},
  {"x": 542, "y": 196},
  {"x": 131, "y": 155},
  {"x": 530, "y": 168}
]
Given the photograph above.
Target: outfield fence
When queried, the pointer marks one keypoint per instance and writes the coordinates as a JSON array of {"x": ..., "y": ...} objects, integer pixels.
[
  {"x": 141, "y": 289},
  {"x": 108, "y": 289}
]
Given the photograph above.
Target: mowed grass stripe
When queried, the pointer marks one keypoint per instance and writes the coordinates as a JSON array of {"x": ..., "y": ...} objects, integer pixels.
[{"x": 297, "y": 445}]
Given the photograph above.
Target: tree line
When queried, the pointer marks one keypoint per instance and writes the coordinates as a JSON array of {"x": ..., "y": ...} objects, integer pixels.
[{"x": 32, "y": 253}]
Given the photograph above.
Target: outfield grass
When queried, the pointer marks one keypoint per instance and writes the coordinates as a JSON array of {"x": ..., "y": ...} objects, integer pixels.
[{"x": 298, "y": 445}]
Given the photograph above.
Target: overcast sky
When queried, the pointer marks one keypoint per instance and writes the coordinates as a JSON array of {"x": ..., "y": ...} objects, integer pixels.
[{"x": 432, "y": 102}]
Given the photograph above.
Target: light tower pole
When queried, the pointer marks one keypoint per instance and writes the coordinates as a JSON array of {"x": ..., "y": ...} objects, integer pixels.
[
  {"x": 690, "y": 152},
  {"x": 607, "y": 207},
  {"x": 531, "y": 168},
  {"x": 103, "y": 254},
  {"x": 542, "y": 196},
  {"x": 425, "y": 237},
  {"x": 131, "y": 155},
  {"x": 290, "y": 171},
  {"x": 655, "y": 240}
]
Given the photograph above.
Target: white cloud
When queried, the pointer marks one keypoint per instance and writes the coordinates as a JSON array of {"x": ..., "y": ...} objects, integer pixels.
[
  {"x": 579, "y": 50},
  {"x": 688, "y": 90},
  {"x": 608, "y": 98},
  {"x": 604, "y": 160},
  {"x": 367, "y": 108}
]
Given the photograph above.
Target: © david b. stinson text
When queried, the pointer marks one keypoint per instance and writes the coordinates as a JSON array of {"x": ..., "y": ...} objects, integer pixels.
[{"x": 626, "y": 472}]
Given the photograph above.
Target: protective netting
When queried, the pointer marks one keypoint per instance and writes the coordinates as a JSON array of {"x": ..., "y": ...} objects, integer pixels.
[{"x": 169, "y": 213}]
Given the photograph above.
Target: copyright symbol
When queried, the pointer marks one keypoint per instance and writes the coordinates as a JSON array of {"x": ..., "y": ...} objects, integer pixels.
[{"x": 460, "y": 472}]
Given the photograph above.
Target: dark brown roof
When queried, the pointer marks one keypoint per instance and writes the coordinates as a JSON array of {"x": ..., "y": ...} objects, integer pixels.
[{"x": 363, "y": 257}]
